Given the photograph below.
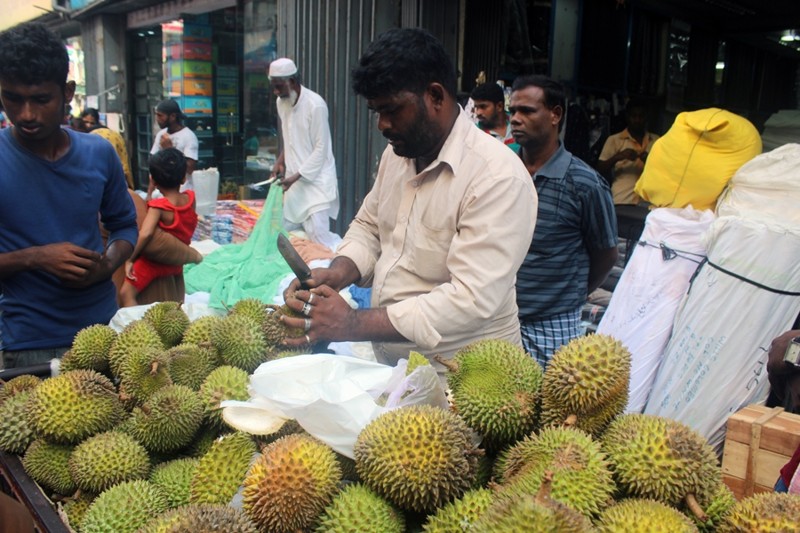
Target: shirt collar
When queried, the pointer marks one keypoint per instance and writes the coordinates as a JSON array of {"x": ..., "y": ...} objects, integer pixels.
[
  {"x": 556, "y": 167},
  {"x": 452, "y": 151}
]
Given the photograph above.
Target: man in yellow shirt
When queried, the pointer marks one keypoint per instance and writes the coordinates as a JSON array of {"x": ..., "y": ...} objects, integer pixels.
[{"x": 624, "y": 154}]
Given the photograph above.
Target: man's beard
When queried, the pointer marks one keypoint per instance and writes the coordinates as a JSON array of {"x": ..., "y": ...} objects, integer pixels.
[
  {"x": 419, "y": 139},
  {"x": 293, "y": 96}
]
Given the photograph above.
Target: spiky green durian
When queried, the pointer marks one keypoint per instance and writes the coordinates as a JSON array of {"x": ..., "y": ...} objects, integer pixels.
[
  {"x": 174, "y": 478},
  {"x": 169, "y": 321},
  {"x": 766, "y": 512},
  {"x": 417, "y": 457},
  {"x": 199, "y": 331},
  {"x": 662, "y": 459},
  {"x": 105, "y": 459},
  {"x": 275, "y": 330},
  {"x": 252, "y": 308},
  {"x": 202, "y": 441},
  {"x": 90, "y": 349},
  {"x": 290, "y": 484},
  {"x": 459, "y": 516},
  {"x": 72, "y": 406},
  {"x": 75, "y": 508},
  {"x": 415, "y": 360},
  {"x": 644, "y": 515},
  {"x": 124, "y": 508},
  {"x": 48, "y": 465},
  {"x": 222, "y": 469},
  {"x": 537, "y": 514},
  {"x": 495, "y": 388},
  {"x": 138, "y": 335},
  {"x": 588, "y": 379},
  {"x": 168, "y": 419},
  {"x": 190, "y": 364},
  {"x": 15, "y": 431},
  {"x": 18, "y": 384},
  {"x": 224, "y": 383},
  {"x": 143, "y": 372},
  {"x": 239, "y": 342},
  {"x": 721, "y": 503},
  {"x": 579, "y": 473},
  {"x": 357, "y": 508},
  {"x": 201, "y": 519}
]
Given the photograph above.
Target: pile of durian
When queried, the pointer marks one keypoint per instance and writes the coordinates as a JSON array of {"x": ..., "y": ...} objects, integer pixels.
[{"x": 130, "y": 438}]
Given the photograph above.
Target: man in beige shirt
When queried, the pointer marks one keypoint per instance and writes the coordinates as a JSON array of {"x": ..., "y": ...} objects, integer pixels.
[
  {"x": 442, "y": 232},
  {"x": 624, "y": 154}
]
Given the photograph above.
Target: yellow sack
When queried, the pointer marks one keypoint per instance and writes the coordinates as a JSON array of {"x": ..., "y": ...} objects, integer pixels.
[{"x": 696, "y": 158}]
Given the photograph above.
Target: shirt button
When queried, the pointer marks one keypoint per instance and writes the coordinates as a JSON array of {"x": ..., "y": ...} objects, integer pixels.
[
  {"x": 396, "y": 255},
  {"x": 403, "y": 219},
  {"x": 413, "y": 183}
]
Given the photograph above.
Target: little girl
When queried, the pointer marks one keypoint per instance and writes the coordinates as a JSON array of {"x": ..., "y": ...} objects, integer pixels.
[{"x": 174, "y": 213}]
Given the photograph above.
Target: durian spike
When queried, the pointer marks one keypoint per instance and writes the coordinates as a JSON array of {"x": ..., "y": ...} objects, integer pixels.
[
  {"x": 449, "y": 364},
  {"x": 570, "y": 421},
  {"x": 694, "y": 507}
]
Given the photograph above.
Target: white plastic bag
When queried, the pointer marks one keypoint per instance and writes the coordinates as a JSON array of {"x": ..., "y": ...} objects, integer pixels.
[
  {"x": 715, "y": 362},
  {"x": 126, "y": 315},
  {"x": 332, "y": 397},
  {"x": 646, "y": 299},
  {"x": 206, "y": 188}
]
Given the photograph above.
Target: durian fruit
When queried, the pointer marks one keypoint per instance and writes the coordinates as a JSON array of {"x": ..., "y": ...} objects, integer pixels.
[
  {"x": 124, "y": 508},
  {"x": 15, "y": 431},
  {"x": 644, "y": 515},
  {"x": 203, "y": 518},
  {"x": 357, "y": 508},
  {"x": 69, "y": 407},
  {"x": 662, "y": 459},
  {"x": 169, "y": 321},
  {"x": 240, "y": 342},
  {"x": 531, "y": 513},
  {"x": 168, "y": 419},
  {"x": 138, "y": 335},
  {"x": 106, "y": 459},
  {"x": 275, "y": 330},
  {"x": 290, "y": 483},
  {"x": 75, "y": 508},
  {"x": 223, "y": 383},
  {"x": 415, "y": 360},
  {"x": 18, "y": 384},
  {"x": 190, "y": 364},
  {"x": 586, "y": 380},
  {"x": 48, "y": 465},
  {"x": 142, "y": 373},
  {"x": 417, "y": 457},
  {"x": 253, "y": 308},
  {"x": 90, "y": 349},
  {"x": 348, "y": 466},
  {"x": 201, "y": 442},
  {"x": 199, "y": 331},
  {"x": 721, "y": 503},
  {"x": 174, "y": 478},
  {"x": 765, "y": 512},
  {"x": 578, "y": 471},
  {"x": 495, "y": 388},
  {"x": 459, "y": 516},
  {"x": 222, "y": 469}
]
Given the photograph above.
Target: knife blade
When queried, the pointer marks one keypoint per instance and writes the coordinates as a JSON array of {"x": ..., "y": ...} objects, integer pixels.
[{"x": 293, "y": 259}]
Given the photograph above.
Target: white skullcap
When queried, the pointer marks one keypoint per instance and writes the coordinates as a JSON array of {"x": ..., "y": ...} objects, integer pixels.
[{"x": 282, "y": 68}]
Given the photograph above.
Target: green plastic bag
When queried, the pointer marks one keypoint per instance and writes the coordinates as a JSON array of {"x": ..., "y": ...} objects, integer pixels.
[{"x": 252, "y": 269}]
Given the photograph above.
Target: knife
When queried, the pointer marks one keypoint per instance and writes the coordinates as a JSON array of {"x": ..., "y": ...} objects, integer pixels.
[{"x": 295, "y": 262}]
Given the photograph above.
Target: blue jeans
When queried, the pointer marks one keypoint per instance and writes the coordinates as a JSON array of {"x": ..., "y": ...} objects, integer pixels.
[
  {"x": 780, "y": 485},
  {"x": 31, "y": 357}
]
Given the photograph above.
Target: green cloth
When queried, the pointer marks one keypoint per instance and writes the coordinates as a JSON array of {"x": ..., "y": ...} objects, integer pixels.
[{"x": 252, "y": 269}]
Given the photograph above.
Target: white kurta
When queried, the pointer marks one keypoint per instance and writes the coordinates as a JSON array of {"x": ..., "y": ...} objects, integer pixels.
[{"x": 307, "y": 150}]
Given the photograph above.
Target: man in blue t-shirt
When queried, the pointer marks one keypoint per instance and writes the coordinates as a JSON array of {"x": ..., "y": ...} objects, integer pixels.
[
  {"x": 54, "y": 271},
  {"x": 574, "y": 244}
]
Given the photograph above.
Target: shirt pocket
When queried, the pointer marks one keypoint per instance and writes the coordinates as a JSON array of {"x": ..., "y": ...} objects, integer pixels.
[{"x": 429, "y": 250}]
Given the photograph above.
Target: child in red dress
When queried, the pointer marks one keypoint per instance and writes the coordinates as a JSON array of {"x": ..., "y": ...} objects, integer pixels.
[{"x": 174, "y": 213}]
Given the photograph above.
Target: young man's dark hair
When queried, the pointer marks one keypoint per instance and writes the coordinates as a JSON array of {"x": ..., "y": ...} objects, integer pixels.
[
  {"x": 491, "y": 92},
  {"x": 403, "y": 59},
  {"x": 32, "y": 54},
  {"x": 168, "y": 167}
]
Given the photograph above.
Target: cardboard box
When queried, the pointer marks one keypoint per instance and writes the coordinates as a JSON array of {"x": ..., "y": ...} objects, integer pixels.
[
  {"x": 197, "y": 105},
  {"x": 192, "y": 87},
  {"x": 759, "y": 441}
]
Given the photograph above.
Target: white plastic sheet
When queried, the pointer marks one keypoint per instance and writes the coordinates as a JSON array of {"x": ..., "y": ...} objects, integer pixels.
[
  {"x": 206, "y": 189},
  {"x": 126, "y": 315},
  {"x": 715, "y": 362},
  {"x": 766, "y": 188},
  {"x": 646, "y": 298},
  {"x": 332, "y": 397}
]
